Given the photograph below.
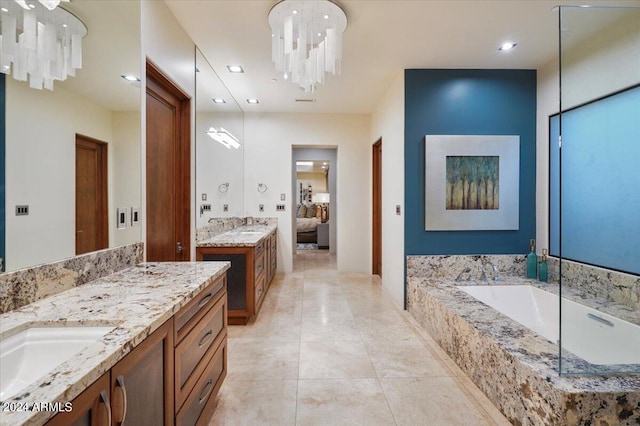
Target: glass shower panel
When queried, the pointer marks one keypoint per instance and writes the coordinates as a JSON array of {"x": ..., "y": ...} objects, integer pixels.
[{"x": 599, "y": 190}]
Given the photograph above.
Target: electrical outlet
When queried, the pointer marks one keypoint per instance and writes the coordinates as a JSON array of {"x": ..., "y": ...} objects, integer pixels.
[
  {"x": 22, "y": 210},
  {"x": 225, "y": 208},
  {"x": 121, "y": 218},
  {"x": 135, "y": 216},
  {"x": 398, "y": 209},
  {"x": 279, "y": 207},
  {"x": 261, "y": 208}
]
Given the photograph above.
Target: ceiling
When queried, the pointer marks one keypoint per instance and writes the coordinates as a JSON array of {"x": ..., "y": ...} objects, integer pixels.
[
  {"x": 312, "y": 166},
  {"x": 382, "y": 39}
]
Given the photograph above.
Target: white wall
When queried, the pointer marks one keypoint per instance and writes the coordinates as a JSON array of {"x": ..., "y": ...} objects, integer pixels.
[
  {"x": 387, "y": 122},
  {"x": 165, "y": 43},
  {"x": 605, "y": 63},
  {"x": 41, "y": 127},
  {"x": 125, "y": 175},
  {"x": 269, "y": 140}
]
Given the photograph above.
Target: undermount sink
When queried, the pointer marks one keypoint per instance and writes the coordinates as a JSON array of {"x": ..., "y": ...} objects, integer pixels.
[{"x": 32, "y": 353}]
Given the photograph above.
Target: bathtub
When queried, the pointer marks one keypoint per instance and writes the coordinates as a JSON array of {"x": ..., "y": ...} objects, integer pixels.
[{"x": 594, "y": 336}]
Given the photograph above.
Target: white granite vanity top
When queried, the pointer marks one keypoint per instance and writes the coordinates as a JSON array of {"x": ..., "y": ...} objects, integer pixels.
[
  {"x": 242, "y": 236},
  {"x": 135, "y": 301}
]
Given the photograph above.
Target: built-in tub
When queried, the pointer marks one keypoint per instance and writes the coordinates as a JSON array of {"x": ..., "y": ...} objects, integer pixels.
[
  {"x": 594, "y": 336},
  {"x": 516, "y": 367}
]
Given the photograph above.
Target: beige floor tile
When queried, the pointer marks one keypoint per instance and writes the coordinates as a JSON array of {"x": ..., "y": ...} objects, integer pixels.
[
  {"x": 235, "y": 331},
  {"x": 251, "y": 359},
  {"x": 404, "y": 359},
  {"x": 263, "y": 402},
  {"x": 342, "y": 402},
  {"x": 329, "y": 329},
  {"x": 326, "y": 308},
  {"x": 482, "y": 400},
  {"x": 335, "y": 360},
  {"x": 432, "y": 401}
]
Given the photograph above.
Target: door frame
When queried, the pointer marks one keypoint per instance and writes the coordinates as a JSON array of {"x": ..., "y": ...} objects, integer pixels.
[
  {"x": 103, "y": 182},
  {"x": 376, "y": 208},
  {"x": 183, "y": 194}
]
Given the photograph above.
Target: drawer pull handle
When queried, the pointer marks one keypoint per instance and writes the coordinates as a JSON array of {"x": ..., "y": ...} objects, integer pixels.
[
  {"x": 204, "y": 300},
  {"x": 205, "y": 338},
  {"x": 204, "y": 394},
  {"x": 123, "y": 396},
  {"x": 105, "y": 401}
]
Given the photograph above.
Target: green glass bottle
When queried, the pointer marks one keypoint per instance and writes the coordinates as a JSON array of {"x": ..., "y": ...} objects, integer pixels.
[
  {"x": 543, "y": 275},
  {"x": 532, "y": 261}
]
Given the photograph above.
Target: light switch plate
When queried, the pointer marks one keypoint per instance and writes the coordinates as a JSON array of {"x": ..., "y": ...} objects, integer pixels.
[
  {"x": 280, "y": 207},
  {"x": 204, "y": 197},
  {"x": 22, "y": 210},
  {"x": 135, "y": 216},
  {"x": 121, "y": 217},
  {"x": 398, "y": 209},
  {"x": 282, "y": 197}
]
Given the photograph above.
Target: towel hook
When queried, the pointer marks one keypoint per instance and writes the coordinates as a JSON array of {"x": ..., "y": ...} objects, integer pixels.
[
  {"x": 262, "y": 188},
  {"x": 224, "y": 187}
]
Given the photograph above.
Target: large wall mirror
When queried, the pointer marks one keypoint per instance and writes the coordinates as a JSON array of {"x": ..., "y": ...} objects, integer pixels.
[
  {"x": 219, "y": 147},
  {"x": 82, "y": 136}
]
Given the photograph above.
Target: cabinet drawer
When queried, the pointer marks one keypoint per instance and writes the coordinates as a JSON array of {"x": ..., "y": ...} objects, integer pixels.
[
  {"x": 260, "y": 289},
  {"x": 260, "y": 265},
  {"x": 201, "y": 401},
  {"x": 193, "y": 311},
  {"x": 259, "y": 249},
  {"x": 193, "y": 353}
]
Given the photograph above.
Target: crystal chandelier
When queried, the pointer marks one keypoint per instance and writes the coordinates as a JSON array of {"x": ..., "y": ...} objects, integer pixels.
[
  {"x": 306, "y": 40},
  {"x": 40, "y": 41}
]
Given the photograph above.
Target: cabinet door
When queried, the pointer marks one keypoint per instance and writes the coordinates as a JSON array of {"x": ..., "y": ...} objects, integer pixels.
[
  {"x": 142, "y": 382},
  {"x": 91, "y": 408}
]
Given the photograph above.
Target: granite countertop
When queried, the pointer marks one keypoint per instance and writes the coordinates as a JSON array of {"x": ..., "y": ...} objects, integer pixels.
[
  {"x": 135, "y": 301},
  {"x": 242, "y": 236}
]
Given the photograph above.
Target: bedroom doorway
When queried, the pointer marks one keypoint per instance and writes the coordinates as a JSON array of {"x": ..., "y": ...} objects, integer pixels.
[{"x": 314, "y": 199}]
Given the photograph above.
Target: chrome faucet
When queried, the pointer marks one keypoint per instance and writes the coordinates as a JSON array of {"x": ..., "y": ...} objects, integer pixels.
[
  {"x": 464, "y": 271},
  {"x": 494, "y": 268}
]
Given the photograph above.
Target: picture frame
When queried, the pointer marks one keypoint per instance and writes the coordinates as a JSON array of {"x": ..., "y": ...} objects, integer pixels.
[{"x": 472, "y": 182}]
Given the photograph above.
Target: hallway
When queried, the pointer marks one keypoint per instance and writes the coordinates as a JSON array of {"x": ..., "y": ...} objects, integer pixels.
[{"x": 332, "y": 349}]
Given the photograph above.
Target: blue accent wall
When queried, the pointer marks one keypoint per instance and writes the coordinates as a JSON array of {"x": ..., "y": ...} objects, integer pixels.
[
  {"x": 468, "y": 102},
  {"x": 2, "y": 172}
]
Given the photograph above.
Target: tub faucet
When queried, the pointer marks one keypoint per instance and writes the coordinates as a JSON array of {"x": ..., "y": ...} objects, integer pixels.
[
  {"x": 494, "y": 268},
  {"x": 464, "y": 271}
]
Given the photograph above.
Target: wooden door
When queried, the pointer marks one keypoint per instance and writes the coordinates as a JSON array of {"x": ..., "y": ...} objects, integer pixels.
[
  {"x": 377, "y": 209},
  {"x": 168, "y": 170},
  {"x": 92, "y": 227}
]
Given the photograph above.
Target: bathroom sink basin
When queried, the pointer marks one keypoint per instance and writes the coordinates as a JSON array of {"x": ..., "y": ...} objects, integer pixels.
[{"x": 32, "y": 353}]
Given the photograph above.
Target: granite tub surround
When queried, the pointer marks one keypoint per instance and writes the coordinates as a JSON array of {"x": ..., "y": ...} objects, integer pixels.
[
  {"x": 512, "y": 365},
  {"x": 449, "y": 266},
  {"x": 600, "y": 283},
  {"x": 135, "y": 301},
  {"x": 220, "y": 225},
  {"x": 19, "y": 288}
]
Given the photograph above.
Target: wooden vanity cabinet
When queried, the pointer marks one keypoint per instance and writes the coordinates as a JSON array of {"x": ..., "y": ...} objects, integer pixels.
[
  {"x": 171, "y": 377},
  {"x": 91, "y": 408},
  {"x": 249, "y": 277}
]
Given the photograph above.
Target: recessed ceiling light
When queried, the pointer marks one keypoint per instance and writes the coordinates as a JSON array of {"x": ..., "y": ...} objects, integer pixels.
[
  {"x": 295, "y": 12},
  {"x": 507, "y": 46},
  {"x": 4, "y": 9},
  {"x": 326, "y": 16},
  {"x": 304, "y": 163},
  {"x": 324, "y": 164},
  {"x": 319, "y": 34},
  {"x": 253, "y": 101},
  {"x": 235, "y": 69},
  {"x": 219, "y": 101},
  {"x": 32, "y": 6},
  {"x": 130, "y": 78}
]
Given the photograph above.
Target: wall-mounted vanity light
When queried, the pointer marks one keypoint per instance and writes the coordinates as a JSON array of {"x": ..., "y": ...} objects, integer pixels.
[{"x": 224, "y": 137}]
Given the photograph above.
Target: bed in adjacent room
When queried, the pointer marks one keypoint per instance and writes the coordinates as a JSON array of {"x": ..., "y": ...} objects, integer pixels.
[{"x": 307, "y": 223}]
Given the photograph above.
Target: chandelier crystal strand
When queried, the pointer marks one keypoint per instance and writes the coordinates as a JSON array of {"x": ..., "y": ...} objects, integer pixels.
[
  {"x": 306, "y": 40},
  {"x": 41, "y": 43}
]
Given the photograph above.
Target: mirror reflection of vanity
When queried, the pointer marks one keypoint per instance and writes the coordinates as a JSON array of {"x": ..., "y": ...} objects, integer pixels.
[
  {"x": 41, "y": 134},
  {"x": 219, "y": 139}
]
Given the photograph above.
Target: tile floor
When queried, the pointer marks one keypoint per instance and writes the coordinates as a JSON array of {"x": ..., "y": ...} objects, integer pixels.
[{"x": 333, "y": 349}]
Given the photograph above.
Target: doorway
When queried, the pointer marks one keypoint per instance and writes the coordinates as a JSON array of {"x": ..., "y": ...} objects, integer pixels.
[
  {"x": 168, "y": 169},
  {"x": 376, "y": 267},
  {"x": 314, "y": 185},
  {"x": 92, "y": 225}
]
